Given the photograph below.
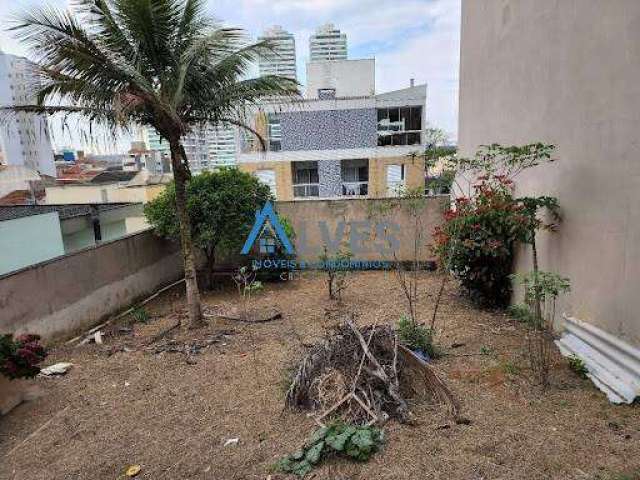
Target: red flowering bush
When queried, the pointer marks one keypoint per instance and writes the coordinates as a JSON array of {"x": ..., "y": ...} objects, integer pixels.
[
  {"x": 477, "y": 238},
  {"x": 20, "y": 357}
]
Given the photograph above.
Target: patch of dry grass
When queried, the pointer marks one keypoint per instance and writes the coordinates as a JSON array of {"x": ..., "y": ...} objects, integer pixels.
[{"x": 132, "y": 406}]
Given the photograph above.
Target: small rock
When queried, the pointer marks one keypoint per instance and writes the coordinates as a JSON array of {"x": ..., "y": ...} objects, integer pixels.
[
  {"x": 56, "y": 369},
  {"x": 231, "y": 441},
  {"x": 191, "y": 361},
  {"x": 133, "y": 470},
  {"x": 457, "y": 345}
]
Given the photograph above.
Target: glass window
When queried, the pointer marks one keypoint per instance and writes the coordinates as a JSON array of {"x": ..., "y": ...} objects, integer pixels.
[
  {"x": 394, "y": 115},
  {"x": 415, "y": 122},
  {"x": 384, "y": 140},
  {"x": 413, "y": 138},
  {"x": 400, "y": 139},
  {"x": 305, "y": 172},
  {"x": 405, "y": 118}
]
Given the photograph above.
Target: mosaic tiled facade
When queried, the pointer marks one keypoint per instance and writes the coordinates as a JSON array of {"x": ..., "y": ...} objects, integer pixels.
[
  {"x": 329, "y": 178},
  {"x": 329, "y": 129}
]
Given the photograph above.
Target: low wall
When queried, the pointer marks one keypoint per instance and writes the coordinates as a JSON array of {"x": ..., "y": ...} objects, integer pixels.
[
  {"x": 316, "y": 221},
  {"x": 57, "y": 297}
]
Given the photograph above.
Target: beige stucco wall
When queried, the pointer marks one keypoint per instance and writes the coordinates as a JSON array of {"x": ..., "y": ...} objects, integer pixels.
[
  {"x": 567, "y": 72},
  {"x": 284, "y": 178},
  {"x": 414, "y": 175},
  {"x": 362, "y": 214},
  {"x": 57, "y": 297}
]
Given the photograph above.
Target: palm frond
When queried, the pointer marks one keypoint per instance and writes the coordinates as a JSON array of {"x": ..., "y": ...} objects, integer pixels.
[{"x": 160, "y": 63}]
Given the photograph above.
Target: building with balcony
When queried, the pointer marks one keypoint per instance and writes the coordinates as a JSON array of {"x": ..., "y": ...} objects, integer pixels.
[
  {"x": 281, "y": 60},
  {"x": 328, "y": 43},
  {"x": 336, "y": 147}
]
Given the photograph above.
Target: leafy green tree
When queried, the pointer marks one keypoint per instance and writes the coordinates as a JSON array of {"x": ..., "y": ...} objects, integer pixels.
[
  {"x": 221, "y": 206},
  {"x": 153, "y": 63}
]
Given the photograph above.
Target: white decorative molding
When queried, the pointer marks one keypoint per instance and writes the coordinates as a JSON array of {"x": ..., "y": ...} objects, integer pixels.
[
  {"x": 335, "y": 154},
  {"x": 613, "y": 365}
]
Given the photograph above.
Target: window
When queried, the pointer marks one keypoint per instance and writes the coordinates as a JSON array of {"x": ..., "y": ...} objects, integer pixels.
[
  {"x": 326, "y": 93},
  {"x": 267, "y": 245},
  {"x": 395, "y": 180},
  {"x": 355, "y": 177},
  {"x": 399, "y": 126},
  {"x": 305, "y": 179},
  {"x": 275, "y": 132}
]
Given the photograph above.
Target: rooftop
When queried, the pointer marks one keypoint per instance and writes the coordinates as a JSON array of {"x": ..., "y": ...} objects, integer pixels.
[{"x": 11, "y": 212}]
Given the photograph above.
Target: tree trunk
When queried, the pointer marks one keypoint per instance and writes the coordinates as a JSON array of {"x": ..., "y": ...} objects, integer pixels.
[
  {"x": 537, "y": 306},
  {"x": 181, "y": 176},
  {"x": 211, "y": 262}
]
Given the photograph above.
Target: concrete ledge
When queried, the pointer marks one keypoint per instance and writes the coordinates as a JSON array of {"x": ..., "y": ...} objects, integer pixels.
[{"x": 614, "y": 366}]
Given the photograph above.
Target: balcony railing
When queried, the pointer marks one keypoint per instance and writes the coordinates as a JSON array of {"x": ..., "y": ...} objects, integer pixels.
[
  {"x": 355, "y": 188},
  {"x": 302, "y": 190}
]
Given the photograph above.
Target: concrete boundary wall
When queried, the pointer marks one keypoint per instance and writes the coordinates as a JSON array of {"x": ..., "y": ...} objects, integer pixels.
[
  {"x": 310, "y": 217},
  {"x": 566, "y": 73},
  {"x": 57, "y": 297}
]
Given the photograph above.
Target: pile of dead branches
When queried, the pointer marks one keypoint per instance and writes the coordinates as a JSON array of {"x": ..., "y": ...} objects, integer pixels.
[{"x": 365, "y": 376}]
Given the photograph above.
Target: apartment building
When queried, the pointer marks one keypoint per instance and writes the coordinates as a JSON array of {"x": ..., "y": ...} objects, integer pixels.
[
  {"x": 336, "y": 147},
  {"x": 282, "y": 59},
  {"x": 328, "y": 43},
  {"x": 24, "y": 137},
  {"x": 207, "y": 147}
]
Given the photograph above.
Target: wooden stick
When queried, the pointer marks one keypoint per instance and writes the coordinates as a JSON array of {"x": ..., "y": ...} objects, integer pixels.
[
  {"x": 42, "y": 427},
  {"x": 403, "y": 408},
  {"x": 126, "y": 312}
]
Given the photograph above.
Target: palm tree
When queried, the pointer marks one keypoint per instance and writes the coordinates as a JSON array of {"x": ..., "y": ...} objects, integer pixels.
[{"x": 158, "y": 63}]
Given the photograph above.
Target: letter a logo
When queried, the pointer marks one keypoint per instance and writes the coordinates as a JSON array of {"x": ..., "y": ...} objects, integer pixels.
[{"x": 267, "y": 213}]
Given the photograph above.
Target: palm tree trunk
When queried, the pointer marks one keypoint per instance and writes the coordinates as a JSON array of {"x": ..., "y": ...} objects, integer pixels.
[{"x": 181, "y": 176}]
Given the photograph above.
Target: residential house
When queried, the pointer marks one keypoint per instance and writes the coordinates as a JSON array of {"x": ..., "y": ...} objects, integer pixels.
[{"x": 110, "y": 187}]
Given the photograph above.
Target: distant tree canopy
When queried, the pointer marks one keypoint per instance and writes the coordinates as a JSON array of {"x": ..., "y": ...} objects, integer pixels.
[{"x": 221, "y": 206}]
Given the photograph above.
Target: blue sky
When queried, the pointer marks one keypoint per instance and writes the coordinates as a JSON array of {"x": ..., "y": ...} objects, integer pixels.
[{"x": 409, "y": 38}]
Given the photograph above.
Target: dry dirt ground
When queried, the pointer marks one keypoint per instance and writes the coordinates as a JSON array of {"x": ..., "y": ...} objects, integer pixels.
[{"x": 172, "y": 414}]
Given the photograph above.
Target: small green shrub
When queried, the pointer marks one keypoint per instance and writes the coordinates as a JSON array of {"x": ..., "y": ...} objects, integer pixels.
[
  {"x": 415, "y": 336},
  {"x": 140, "y": 315},
  {"x": 484, "y": 350},
  {"x": 521, "y": 313},
  {"x": 510, "y": 368},
  {"x": 336, "y": 266},
  {"x": 357, "y": 443},
  {"x": 577, "y": 365}
]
